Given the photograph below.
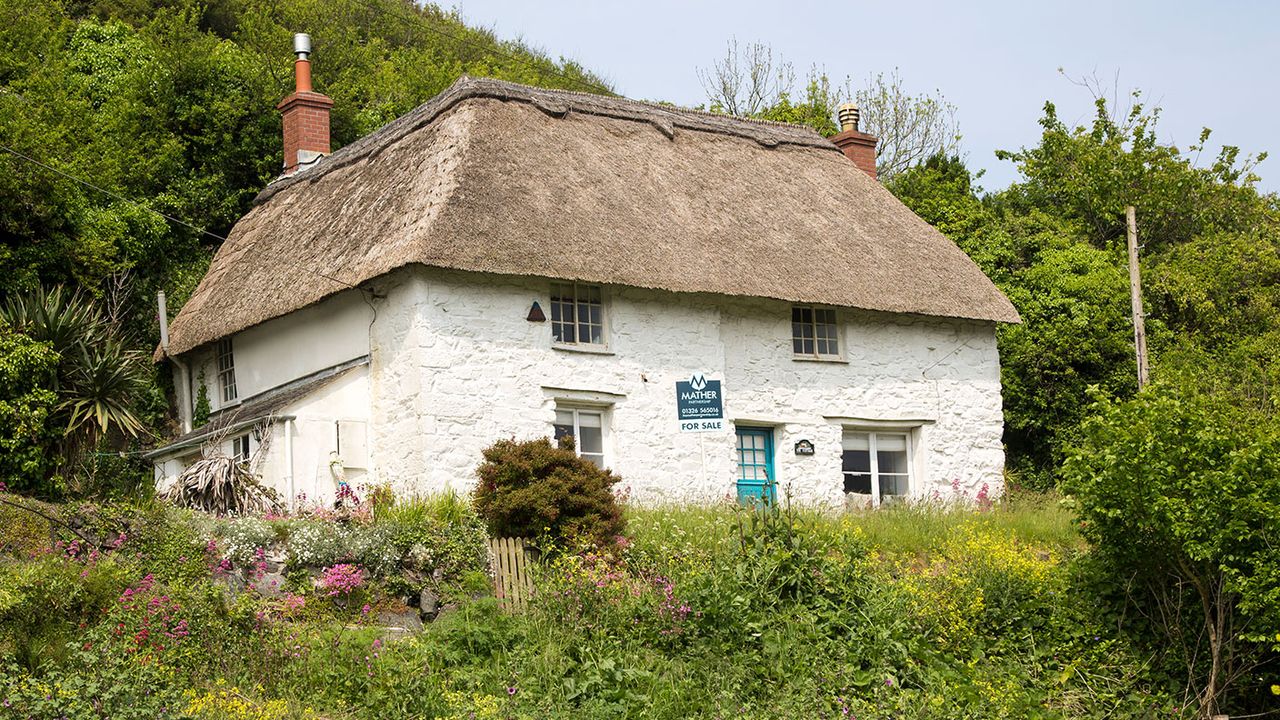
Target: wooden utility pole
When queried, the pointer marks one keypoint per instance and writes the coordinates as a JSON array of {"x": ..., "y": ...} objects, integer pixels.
[{"x": 1135, "y": 296}]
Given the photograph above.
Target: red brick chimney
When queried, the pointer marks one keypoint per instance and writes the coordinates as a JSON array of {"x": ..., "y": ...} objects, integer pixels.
[
  {"x": 306, "y": 114},
  {"x": 857, "y": 145}
]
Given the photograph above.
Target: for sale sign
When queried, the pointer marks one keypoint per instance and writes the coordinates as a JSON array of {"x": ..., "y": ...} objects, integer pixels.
[{"x": 699, "y": 404}]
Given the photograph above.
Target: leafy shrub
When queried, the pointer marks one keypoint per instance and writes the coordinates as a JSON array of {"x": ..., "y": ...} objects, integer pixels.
[
  {"x": 244, "y": 537},
  {"x": 528, "y": 489},
  {"x": 1179, "y": 493},
  {"x": 26, "y": 403},
  {"x": 437, "y": 533},
  {"x": 22, "y": 532},
  {"x": 374, "y": 547},
  {"x": 315, "y": 544}
]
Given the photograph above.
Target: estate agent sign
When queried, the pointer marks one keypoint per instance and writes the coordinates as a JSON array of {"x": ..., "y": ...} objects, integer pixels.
[{"x": 699, "y": 404}]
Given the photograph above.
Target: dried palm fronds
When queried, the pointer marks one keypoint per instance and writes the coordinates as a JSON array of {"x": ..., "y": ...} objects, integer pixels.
[{"x": 223, "y": 486}]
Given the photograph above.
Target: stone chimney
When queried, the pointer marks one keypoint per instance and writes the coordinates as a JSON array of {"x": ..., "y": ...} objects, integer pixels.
[
  {"x": 305, "y": 114},
  {"x": 856, "y": 145}
]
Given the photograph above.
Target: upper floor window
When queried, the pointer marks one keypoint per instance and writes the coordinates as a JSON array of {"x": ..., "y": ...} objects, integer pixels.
[
  {"x": 877, "y": 464},
  {"x": 226, "y": 371},
  {"x": 587, "y": 428},
  {"x": 577, "y": 314},
  {"x": 814, "y": 332}
]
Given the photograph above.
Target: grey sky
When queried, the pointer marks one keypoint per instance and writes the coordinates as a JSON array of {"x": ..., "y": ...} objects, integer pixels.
[{"x": 1206, "y": 64}]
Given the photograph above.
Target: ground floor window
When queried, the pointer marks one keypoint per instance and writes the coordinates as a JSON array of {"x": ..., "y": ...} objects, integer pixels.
[
  {"x": 240, "y": 448},
  {"x": 877, "y": 464},
  {"x": 587, "y": 428}
]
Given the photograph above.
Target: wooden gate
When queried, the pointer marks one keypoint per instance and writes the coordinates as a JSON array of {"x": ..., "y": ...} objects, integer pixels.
[{"x": 512, "y": 583}]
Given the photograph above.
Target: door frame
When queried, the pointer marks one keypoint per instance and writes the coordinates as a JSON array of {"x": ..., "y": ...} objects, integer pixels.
[{"x": 770, "y": 487}]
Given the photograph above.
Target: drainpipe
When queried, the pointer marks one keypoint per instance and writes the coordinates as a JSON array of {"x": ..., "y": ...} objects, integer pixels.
[
  {"x": 182, "y": 388},
  {"x": 288, "y": 463}
]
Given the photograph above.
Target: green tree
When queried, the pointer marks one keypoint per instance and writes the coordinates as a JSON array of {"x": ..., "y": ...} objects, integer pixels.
[{"x": 1179, "y": 494}]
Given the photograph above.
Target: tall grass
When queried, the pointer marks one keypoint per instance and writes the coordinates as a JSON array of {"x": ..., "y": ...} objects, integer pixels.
[
  {"x": 908, "y": 528},
  {"x": 443, "y": 507}
]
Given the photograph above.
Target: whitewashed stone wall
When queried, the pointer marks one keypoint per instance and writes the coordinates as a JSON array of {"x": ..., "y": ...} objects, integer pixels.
[
  {"x": 456, "y": 366},
  {"x": 279, "y": 351}
]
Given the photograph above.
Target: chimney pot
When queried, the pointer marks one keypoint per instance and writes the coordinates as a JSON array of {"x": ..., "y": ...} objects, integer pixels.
[
  {"x": 849, "y": 117},
  {"x": 302, "y": 45}
]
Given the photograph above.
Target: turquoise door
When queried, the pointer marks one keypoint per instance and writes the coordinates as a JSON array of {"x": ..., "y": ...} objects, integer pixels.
[{"x": 756, "y": 479}]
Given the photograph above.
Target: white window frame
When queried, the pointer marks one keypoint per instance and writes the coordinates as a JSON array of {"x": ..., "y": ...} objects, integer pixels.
[
  {"x": 577, "y": 410},
  {"x": 872, "y": 433},
  {"x": 227, "y": 392},
  {"x": 241, "y": 448},
  {"x": 838, "y": 329},
  {"x": 578, "y": 343}
]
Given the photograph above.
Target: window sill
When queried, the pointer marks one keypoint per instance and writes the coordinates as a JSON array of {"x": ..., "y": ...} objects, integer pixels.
[
  {"x": 586, "y": 349},
  {"x": 835, "y": 360}
]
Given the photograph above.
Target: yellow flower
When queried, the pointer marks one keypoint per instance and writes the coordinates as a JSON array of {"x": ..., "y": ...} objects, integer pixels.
[{"x": 1275, "y": 689}]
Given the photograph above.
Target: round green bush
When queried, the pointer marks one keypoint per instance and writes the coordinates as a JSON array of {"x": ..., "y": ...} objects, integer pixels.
[{"x": 532, "y": 488}]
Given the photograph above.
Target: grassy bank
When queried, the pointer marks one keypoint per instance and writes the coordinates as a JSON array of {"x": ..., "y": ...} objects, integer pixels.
[{"x": 926, "y": 612}]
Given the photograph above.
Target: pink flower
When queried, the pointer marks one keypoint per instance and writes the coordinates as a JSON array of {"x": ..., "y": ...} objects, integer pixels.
[{"x": 341, "y": 579}]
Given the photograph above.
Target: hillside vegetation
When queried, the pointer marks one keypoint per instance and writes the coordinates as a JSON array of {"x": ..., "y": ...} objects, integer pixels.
[{"x": 928, "y": 612}]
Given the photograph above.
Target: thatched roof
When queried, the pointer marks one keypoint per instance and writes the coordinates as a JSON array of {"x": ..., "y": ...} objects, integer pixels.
[{"x": 495, "y": 177}]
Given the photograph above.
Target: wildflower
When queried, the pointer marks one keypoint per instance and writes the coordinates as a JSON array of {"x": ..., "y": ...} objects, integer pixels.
[
  {"x": 341, "y": 579},
  {"x": 512, "y": 690}
]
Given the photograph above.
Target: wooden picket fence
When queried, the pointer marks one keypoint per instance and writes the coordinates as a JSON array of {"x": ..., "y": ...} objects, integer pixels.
[{"x": 512, "y": 582}]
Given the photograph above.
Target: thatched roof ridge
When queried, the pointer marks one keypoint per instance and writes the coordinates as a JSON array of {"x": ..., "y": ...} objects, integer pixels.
[
  {"x": 558, "y": 103},
  {"x": 493, "y": 177}
]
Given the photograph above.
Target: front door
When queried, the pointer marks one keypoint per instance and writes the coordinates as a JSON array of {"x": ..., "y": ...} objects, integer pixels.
[{"x": 756, "y": 479}]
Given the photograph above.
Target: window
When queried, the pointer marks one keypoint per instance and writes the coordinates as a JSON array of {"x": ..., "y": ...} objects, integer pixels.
[
  {"x": 814, "y": 332},
  {"x": 587, "y": 429},
  {"x": 240, "y": 448},
  {"x": 877, "y": 464},
  {"x": 577, "y": 314},
  {"x": 226, "y": 371}
]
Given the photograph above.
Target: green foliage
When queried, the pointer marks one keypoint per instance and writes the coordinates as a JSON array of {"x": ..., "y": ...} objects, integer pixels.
[
  {"x": 96, "y": 380},
  {"x": 27, "y": 402},
  {"x": 1054, "y": 242},
  {"x": 1179, "y": 493},
  {"x": 532, "y": 489},
  {"x": 703, "y": 612},
  {"x": 200, "y": 412},
  {"x": 436, "y": 533},
  {"x": 1089, "y": 174}
]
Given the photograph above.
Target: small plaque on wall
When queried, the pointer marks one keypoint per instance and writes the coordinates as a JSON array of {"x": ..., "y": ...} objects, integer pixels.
[{"x": 804, "y": 447}]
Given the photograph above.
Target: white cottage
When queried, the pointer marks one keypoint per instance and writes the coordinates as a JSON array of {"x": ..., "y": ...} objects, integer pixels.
[{"x": 507, "y": 261}]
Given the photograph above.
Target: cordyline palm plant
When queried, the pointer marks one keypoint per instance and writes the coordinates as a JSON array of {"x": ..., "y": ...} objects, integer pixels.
[{"x": 98, "y": 378}]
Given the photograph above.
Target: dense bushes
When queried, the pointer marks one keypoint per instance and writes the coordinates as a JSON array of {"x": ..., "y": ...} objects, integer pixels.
[
  {"x": 532, "y": 489},
  {"x": 1180, "y": 494}
]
